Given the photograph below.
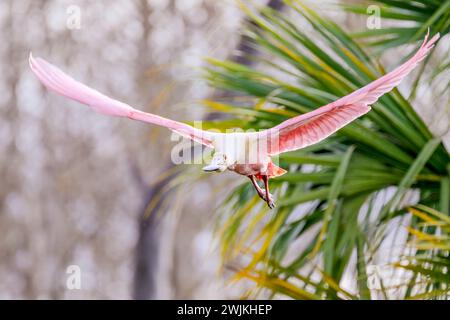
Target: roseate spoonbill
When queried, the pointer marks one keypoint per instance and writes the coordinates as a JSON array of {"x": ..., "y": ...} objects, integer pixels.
[{"x": 247, "y": 154}]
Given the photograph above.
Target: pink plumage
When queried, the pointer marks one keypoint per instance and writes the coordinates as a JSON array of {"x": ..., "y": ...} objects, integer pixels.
[
  {"x": 292, "y": 134},
  {"x": 61, "y": 83},
  {"x": 314, "y": 126}
]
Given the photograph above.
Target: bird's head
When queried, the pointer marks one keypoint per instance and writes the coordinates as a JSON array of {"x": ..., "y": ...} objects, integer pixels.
[{"x": 218, "y": 163}]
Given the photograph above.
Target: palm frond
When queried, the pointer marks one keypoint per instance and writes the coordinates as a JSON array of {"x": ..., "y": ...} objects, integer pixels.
[{"x": 325, "y": 225}]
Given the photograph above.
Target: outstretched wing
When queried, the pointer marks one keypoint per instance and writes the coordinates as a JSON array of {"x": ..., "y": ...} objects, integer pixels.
[
  {"x": 312, "y": 127},
  {"x": 56, "y": 80}
]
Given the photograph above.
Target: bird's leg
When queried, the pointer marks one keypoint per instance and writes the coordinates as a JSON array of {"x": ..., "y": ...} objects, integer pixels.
[
  {"x": 269, "y": 198},
  {"x": 257, "y": 187}
]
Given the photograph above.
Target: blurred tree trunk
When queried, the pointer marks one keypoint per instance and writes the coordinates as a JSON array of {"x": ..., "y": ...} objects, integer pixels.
[
  {"x": 149, "y": 241},
  {"x": 244, "y": 47}
]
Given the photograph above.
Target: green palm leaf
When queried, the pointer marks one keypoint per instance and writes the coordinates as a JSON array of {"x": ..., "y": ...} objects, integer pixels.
[
  {"x": 417, "y": 16},
  {"x": 326, "y": 203}
]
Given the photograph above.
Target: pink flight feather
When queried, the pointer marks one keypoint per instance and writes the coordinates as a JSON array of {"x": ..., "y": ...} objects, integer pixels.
[
  {"x": 56, "y": 80},
  {"x": 314, "y": 126},
  {"x": 292, "y": 134}
]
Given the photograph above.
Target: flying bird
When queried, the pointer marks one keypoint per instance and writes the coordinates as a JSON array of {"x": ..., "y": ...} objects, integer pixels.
[{"x": 250, "y": 153}]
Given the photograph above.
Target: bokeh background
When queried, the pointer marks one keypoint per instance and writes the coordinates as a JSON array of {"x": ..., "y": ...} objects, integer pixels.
[{"x": 76, "y": 186}]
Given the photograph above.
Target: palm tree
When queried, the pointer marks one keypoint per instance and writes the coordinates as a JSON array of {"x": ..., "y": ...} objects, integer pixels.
[{"x": 343, "y": 208}]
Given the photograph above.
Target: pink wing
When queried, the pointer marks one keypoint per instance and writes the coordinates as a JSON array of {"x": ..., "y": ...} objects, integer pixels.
[
  {"x": 312, "y": 127},
  {"x": 61, "y": 83}
]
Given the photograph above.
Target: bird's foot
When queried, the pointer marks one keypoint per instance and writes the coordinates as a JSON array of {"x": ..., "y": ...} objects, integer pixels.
[
  {"x": 263, "y": 195},
  {"x": 270, "y": 201},
  {"x": 271, "y": 204}
]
